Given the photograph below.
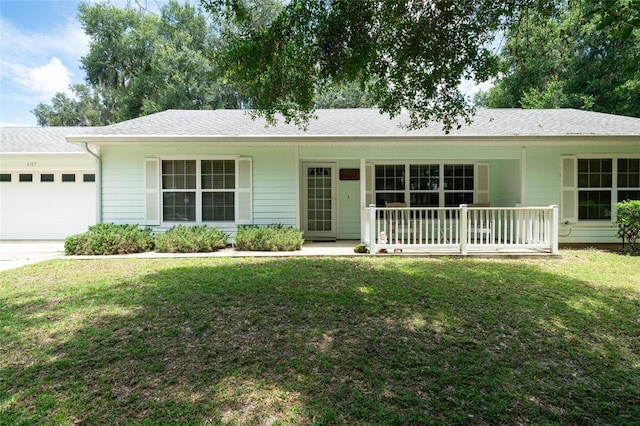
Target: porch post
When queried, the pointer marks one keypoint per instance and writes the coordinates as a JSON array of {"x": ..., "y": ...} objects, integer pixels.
[
  {"x": 373, "y": 247},
  {"x": 463, "y": 229},
  {"x": 554, "y": 228},
  {"x": 363, "y": 196}
]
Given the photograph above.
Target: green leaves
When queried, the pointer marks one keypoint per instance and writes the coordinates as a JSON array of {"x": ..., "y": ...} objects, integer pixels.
[
  {"x": 412, "y": 56},
  {"x": 585, "y": 57}
]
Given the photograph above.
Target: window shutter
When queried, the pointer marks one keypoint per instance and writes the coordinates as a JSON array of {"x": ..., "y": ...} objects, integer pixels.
[
  {"x": 481, "y": 183},
  {"x": 152, "y": 191},
  {"x": 369, "y": 177},
  {"x": 569, "y": 189},
  {"x": 244, "y": 203}
]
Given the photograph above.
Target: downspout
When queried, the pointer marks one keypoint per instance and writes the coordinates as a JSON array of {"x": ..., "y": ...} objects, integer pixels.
[{"x": 85, "y": 147}]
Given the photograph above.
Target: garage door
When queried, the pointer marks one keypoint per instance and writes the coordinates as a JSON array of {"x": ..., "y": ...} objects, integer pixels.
[{"x": 46, "y": 205}]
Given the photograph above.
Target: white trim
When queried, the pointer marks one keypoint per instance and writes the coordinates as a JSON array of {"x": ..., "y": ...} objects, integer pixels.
[
  {"x": 298, "y": 173},
  {"x": 441, "y": 163},
  {"x": 199, "y": 157},
  {"x": 152, "y": 192},
  {"x": 613, "y": 189},
  {"x": 334, "y": 199},
  {"x": 568, "y": 189},
  {"x": 198, "y": 190},
  {"x": 523, "y": 176},
  {"x": 361, "y": 140}
]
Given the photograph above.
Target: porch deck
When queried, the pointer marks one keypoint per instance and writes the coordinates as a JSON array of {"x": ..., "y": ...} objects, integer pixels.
[{"x": 461, "y": 230}]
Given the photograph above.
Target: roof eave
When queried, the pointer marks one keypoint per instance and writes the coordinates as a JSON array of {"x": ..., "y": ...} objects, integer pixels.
[{"x": 514, "y": 139}]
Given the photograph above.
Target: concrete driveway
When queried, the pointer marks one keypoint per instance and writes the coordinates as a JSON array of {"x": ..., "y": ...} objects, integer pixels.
[{"x": 14, "y": 254}]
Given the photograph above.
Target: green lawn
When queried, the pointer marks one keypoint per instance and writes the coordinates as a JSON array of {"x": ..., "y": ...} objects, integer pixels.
[{"x": 384, "y": 340}]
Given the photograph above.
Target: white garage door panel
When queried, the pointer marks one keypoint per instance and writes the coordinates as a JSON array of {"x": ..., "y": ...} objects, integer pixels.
[{"x": 45, "y": 211}]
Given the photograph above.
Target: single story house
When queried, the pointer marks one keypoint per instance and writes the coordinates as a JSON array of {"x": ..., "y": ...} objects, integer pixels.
[
  {"x": 521, "y": 176},
  {"x": 47, "y": 186}
]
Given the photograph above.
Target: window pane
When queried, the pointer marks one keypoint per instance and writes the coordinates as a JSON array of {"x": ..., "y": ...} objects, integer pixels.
[
  {"x": 425, "y": 199},
  {"x": 595, "y": 173},
  {"x": 424, "y": 177},
  {"x": 46, "y": 177},
  {"x": 88, "y": 177},
  {"x": 389, "y": 197},
  {"x": 179, "y": 206},
  {"x": 458, "y": 177},
  {"x": 628, "y": 195},
  {"x": 390, "y": 177},
  {"x": 178, "y": 174},
  {"x": 629, "y": 173},
  {"x": 26, "y": 177},
  {"x": 5, "y": 177},
  {"x": 218, "y": 206},
  {"x": 594, "y": 205},
  {"x": 218, "y": 174},
  {"x": 454, "y": 199}
]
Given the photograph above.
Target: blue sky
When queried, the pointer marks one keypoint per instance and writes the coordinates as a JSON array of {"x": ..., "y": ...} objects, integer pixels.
[{"x": 41, "y": 43}]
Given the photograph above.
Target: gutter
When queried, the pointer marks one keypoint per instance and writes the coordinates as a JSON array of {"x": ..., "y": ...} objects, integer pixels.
[{"x": 85, "y": 147}]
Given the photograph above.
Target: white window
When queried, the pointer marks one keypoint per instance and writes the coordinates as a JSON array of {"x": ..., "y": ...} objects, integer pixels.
[
  {"x": 198, "y": 191},
  {"x": 592, "y": 186},
  {"x": 429, "y": 185}
]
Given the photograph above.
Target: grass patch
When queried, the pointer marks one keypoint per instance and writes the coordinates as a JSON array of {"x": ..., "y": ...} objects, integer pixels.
[{"x": 322, "y": 341}]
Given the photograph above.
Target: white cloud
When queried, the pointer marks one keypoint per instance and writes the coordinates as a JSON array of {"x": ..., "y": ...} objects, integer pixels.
[
  {"x": 35, "y": 65},
  {"x": 49, "y": 79},
  {"x": 470, "y": 88}
]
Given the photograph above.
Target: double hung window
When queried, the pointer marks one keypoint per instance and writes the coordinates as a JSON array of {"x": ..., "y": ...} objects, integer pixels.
[
  {"x": 195, "y": 191},
  {"x": 198, "y": 190},
  {"x": 425, "y": 185},
  {"x": 592, "y": 186}
]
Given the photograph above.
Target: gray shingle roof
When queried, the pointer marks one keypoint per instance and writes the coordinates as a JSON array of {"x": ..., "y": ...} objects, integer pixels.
[
  {"x": 369, "y": 122},
  {"x": 48, "y": 140}
]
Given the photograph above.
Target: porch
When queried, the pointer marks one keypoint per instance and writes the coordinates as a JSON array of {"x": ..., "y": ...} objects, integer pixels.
[{"x": 461, "y": 230}]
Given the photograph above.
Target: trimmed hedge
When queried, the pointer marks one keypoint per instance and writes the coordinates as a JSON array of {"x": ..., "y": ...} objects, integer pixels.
[
  {"x": 191, "y": 239},
  {"x": 268, "y": 238},
  {"x": 108, "y": 238}
]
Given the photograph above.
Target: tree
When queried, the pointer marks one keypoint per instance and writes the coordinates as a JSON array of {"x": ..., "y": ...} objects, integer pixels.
[
  {"x": 84, "y": 109},
  {"x": 576, "y": 59},
  {"x": 345, "y": 95},
  {"x": 140, "y": 63},
  {"x": 414, "y": 52},
  {"x": 151, "y": 63}
]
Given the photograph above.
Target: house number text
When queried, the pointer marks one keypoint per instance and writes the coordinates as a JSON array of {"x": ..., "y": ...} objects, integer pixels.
[{"x": 31, "y": 164}]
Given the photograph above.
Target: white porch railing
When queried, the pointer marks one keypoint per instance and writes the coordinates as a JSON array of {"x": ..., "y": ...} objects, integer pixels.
[{"x": 462, "y": 229}]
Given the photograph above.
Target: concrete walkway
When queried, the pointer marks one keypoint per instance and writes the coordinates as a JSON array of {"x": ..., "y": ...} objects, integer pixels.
[{"x": 14, "y": 254}]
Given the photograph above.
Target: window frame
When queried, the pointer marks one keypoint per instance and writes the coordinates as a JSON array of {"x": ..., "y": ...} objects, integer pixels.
[
  {"x": 442, "y": 192},
  {"x": 614, "y": 189},
  {"x": 199, "y": 190}
]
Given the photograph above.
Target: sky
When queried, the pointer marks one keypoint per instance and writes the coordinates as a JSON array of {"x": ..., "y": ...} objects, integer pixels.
[{"x": 41, "y": 43}]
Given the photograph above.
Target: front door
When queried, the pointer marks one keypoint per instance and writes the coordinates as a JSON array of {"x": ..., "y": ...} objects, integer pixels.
[{"x": 319, "y": 201}]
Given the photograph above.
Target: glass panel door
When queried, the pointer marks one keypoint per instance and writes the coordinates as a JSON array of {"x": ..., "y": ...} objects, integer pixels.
[{"x": 319, "y": 200}]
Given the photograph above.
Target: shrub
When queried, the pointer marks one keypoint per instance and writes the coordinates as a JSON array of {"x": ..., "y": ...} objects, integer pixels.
[
  {"x": 191, "y": 239},
  {"x": 628, "y": 221},
  {"x": 361, "y": 248},
  {"x": 268, "y": 238},
  {"x": 108, "y": 238}
]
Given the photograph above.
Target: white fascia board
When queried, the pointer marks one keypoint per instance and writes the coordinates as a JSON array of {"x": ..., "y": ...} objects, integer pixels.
[{"x": 355, "y": 140}]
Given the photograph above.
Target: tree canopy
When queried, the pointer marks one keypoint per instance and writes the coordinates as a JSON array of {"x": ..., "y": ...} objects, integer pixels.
[
  {"x": 412, "y": 55},
  {"x": 140, "y": 63},
  {"x": 288, "y": 57},
  {"x": 580, "y": 58}
]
